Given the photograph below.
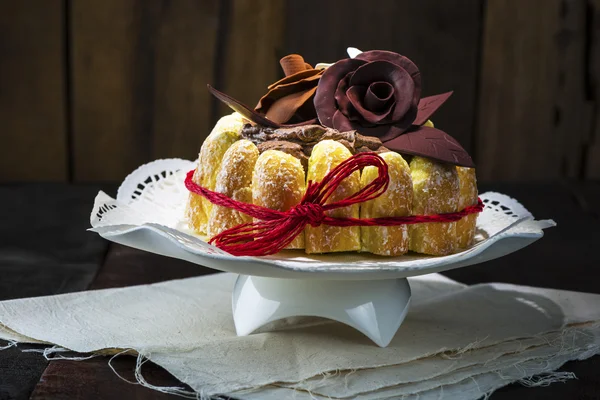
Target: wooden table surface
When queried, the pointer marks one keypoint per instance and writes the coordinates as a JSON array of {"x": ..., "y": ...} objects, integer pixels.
[{"x": 45, "y": 250}]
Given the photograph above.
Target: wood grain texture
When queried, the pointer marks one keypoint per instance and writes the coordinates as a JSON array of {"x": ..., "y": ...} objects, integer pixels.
[
  {"x": 44, "y": 250},
  {"x": 592, "y": 168},
  {"x": 566, "y": 257},
  {"x": 442, "y": 38},
  {"x": 573, "y": 108},
  {"x": 44, "y": 246},
  {"x": 93, "y": 379},
  {"x": 32, "y": 91},
  {"x": 19, "y": 373},
  {"x": 140, "y": 70},
  {"x": 534, "y": 117},
  {"x": 253, "y": 36}
]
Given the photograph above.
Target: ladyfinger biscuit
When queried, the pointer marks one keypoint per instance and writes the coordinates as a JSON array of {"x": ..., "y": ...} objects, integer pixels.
[
  {"x": 234, "y": 180},
  {"x": 465, "y": 228},
  {"x": 395, "y": 202},
  {"x": 325, "y": 156},
  {"x": 279, "y": 183},
  {"x": 224, "y": 134},
  {"x": 435, "y": 190}
]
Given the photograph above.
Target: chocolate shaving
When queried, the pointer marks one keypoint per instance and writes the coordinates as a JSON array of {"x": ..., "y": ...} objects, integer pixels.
[{"x": 299, "y": 141}]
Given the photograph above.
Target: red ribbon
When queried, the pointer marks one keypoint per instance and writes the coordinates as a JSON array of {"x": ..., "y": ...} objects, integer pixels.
[{"x": 277, "y": 229}]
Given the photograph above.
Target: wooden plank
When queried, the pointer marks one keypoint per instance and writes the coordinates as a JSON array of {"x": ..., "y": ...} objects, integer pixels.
[
  {"x": 593, "y": 157},
  {"x": 44, "y": 246},
  {"x": 44, "y": 250},
  {"x": 573, "y": 107},
  {"x": 253, "y": 35},
  {"x": 32, "y": 94},
  {"x": 123, "y": 266},
  {"x": 442, "y": 38},
  {"x": 140, "y": 70},
  {"x": 566, "y": 257},
  {"x": 19, "y": 372},
  {"x": 592, "y": 170},
  {"x": 93, "y": 379},
  {"x": 534, "y": 117}
]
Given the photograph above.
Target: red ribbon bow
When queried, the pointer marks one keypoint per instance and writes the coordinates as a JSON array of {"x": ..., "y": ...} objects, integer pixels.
[{"x": 276, "y": 229}]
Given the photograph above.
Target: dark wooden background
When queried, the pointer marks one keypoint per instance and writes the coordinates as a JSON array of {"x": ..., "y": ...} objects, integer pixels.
[{"x": 90, "y": 89}]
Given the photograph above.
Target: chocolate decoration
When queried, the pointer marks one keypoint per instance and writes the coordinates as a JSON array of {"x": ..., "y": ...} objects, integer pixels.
[
  {"x": 250, "y": 114},
  {"x": 241, "y": 108},
  {"x": 303, "y": 75},
  {"x": 286, "y": 107},
  {"x": 377, "y": 93},
  {"x": 369, "y": 103},
  {"x": 291, "y": 98},
  {"x": 395, "y": 58},
  {"x": 292, "y": 64},
  {"x": 299, "y": 141},
  {"x": 429, "y": 105},
  {"x": 431, "y": 143},
  {"x": 325, "y": 102}
]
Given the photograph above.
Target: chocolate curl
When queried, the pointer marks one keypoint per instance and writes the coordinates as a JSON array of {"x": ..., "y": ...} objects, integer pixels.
[
  {"x": 292, "y": 64},
  {"x": 284, "y": 108},
  {"x": 277, "y": 229}
]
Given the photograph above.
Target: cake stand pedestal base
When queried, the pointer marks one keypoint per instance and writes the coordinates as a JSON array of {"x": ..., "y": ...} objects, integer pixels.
[{"x": 374, "y": 307}]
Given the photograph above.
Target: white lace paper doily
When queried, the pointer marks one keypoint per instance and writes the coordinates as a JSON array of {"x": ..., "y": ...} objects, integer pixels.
[{"x": 148, "y": 213}]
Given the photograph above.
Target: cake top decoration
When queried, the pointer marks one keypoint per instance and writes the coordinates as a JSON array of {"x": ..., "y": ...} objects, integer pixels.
[
  {"x": 290, "y": 100},
  {"x": 376, "y": 93}
]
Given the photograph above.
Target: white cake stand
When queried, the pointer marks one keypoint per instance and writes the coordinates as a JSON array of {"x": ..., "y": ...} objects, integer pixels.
[
  {"x": 375, "y": 307},
  {"x": 366, "y": 292}
]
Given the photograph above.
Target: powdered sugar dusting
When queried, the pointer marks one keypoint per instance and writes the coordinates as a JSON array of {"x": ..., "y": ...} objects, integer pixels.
[
  {"x": 465, "y": 228},
  {"x": 278, "y": 183},
  {"x": 234, "y": 179},
  {"x": 436, "y": 190},
  {"x": 325, "y": 156},
  {"x": 223, "y": 135},
  {"x": 395, "y": 202}
]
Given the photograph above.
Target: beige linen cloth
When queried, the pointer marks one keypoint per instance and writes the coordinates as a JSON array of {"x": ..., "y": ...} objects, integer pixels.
[{"x": 457, "y": 342}]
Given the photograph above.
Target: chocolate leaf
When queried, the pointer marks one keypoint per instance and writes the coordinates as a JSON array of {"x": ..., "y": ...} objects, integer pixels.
[
  {"x": 429, "y": 105},
  {"x": 431, "y": 143},
  {"x": 242, "y": 109}
]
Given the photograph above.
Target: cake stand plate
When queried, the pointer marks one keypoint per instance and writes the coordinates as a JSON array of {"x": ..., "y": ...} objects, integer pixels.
[
  {"x": 374, "y": 307},
  {"x": 368, "y": 292}
]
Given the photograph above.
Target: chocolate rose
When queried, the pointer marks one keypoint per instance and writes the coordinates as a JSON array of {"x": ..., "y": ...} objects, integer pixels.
[
  {"x": 290, "y": 100},
  {"x": 377, "y": 93}
]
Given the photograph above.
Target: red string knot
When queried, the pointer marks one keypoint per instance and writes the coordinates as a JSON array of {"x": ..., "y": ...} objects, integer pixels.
[{"x": 312, "y": 212}]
